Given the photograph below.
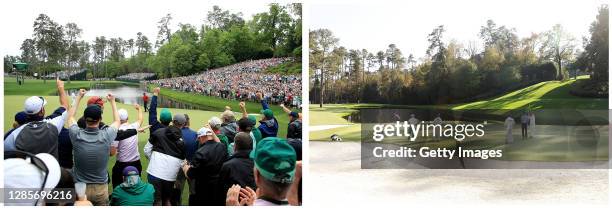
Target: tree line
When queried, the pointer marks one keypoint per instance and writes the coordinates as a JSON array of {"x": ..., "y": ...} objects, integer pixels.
[
  {"x": 456, "y": 72},
  {"x": 223, "y": 39}
]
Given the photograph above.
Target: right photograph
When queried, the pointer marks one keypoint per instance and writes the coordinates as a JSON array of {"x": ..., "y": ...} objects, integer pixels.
[{"x": 459, "y": 102}]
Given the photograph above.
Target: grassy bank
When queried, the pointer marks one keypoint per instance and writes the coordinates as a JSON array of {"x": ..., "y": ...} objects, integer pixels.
[
  {"x": 550, "y": 95},
  {"x": 38, "y": 87},
  {"x": 286, "y": 68}
]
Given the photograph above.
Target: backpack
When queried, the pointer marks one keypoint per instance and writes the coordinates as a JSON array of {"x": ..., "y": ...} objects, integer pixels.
[
  {"x": 38, "y": 137},
  {"x": 297, "y": 134}
]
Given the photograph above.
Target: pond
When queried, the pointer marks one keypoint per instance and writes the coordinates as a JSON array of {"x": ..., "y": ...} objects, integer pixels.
[
  {"x": 572, "y": 117},
  {"x": 132, "y": 94}
]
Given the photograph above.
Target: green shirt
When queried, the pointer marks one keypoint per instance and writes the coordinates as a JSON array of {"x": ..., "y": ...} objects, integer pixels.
[
  {"x": 223, "y": 138},
  {"x": 141, "y": 194},
  {"x": 256, "y": 134}
]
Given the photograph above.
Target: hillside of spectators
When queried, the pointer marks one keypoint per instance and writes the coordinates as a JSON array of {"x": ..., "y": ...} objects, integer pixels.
[{"x": 241, "y": 81}]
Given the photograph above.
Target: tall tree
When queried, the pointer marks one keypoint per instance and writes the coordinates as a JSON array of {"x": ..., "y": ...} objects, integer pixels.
[
  {"x": 505, "y": 39},
  {"x": 164, "y": 32},
  {"x": 28, "y": 53},
  {"x": 272, "y": 27},
  {"x": 73, "y": 32},
  {"x": 322, "y": 43},
  {"x": 100, "y": 47},
  {"x": 380, "y": 57},
  {"x": 596, "y": 50},
  {"x": 48, "y": 38},
  {"x": 437, "y": 77},
  {"x": 84, "y": 53},
  {"x": 558, "y": 46},
  {"x": 116, "y": 49},
  {"x": 129, "y": 44},
  {"x": 223, "y": 19},
  {"x": 411, "y": 62}
]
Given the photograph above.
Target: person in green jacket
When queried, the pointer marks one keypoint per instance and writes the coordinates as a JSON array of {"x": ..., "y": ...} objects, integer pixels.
[
  {"x": 250, "y": 128},
  {"x": 215, "y": 125},
  {"x": 133, "y": 191}
]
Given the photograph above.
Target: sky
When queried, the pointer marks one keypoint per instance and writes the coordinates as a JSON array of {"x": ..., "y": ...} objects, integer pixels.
[
  {"x": 374, "y": 25},
  {"x": 110, "y": 18}
]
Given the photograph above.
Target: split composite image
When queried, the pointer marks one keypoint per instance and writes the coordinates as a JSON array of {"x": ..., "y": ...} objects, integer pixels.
[
  {"x": 157, "y": 106},
  {"x": 461, "y": 102}
]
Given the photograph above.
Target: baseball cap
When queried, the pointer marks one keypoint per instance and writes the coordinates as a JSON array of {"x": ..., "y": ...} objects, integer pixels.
[
  {"x": 34, "y": 105},
  {"x": 252, "y": 119},
  {"x": 123, "y": 114},
  {"x": 95, "y": 100},
  {"x": 93, "y": 113},
  {"x": 23, "y": 173},
  {"x": 165, "y": 116},
  {"x": 268, "y": 113},
  {"x": 21, "y": 117},
  {"x": 275, "y": 159},
  {"x": 204, "y": 131},
  {"x": 180, "y": 119},
  {"x": 130, "y": 170},
  {"x": 293, "y": 114}
]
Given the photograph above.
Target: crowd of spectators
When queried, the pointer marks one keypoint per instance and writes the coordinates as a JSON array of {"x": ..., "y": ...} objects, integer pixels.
[
  {"x": 136, "y": 76},
  {"x": 241, "y": 81}
]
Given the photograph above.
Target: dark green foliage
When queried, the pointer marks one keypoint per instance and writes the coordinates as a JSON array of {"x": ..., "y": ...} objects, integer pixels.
[{"x": 223, "y": 39}]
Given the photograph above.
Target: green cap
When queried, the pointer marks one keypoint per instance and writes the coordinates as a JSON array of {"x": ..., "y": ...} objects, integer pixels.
[
  {"x": 268, "y": 113},
  {"x": 252, "y": 119},
  {"x": 165, "y": 116},
  {"x": 275, "y": 159}
]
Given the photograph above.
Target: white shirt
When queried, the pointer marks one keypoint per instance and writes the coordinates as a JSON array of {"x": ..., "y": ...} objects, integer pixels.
[
  {"x": 509, "y": 123},
  {"x": 127, "y": 149},
  {"x": 161, "y": 165}
]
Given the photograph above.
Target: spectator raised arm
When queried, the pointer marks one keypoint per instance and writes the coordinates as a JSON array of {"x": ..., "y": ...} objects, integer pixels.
[
  {"x": 116, "y": 121},
  {"x": 245, "y": 114},
  {"x": 62, "y": 94},
  {"x": 140, "y": 115},
  {"x": 264, "y": 103},
  {"x": 287, "y": 110},
  {"x": 72, "y": 110}
]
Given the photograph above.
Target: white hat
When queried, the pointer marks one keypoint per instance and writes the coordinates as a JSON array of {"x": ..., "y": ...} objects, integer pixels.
[
  {"x": 215, "y": 122},
  {"x": 34, "y": 105},
  {"x": 21, "y": 173},
  {"x": 204, "y": 131},
  {"x": 123, "y": 114}
]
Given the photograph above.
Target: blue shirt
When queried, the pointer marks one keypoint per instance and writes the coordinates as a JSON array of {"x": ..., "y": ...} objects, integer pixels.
[
  {"x": 269, "y": 127},
  {"x": 155, "y": 124},
  {"x": 190, "y": 138}
]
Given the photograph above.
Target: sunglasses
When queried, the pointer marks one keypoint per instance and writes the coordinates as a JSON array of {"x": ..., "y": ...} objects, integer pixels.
[{"x": 29, "y": 157}]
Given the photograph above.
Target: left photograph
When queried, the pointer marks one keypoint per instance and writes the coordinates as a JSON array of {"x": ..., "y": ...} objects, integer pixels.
[{"x": 193, "y": 104}]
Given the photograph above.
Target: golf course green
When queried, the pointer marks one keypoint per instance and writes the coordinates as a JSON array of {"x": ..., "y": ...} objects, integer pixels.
[
  {"x": 15, "y": 95},
  {"x": 331, "y": 119}
]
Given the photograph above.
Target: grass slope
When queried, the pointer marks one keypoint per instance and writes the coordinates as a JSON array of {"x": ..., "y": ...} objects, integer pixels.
[
  {"x": 38, "y": 87},
  {"x": 544, "y": 95}
]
